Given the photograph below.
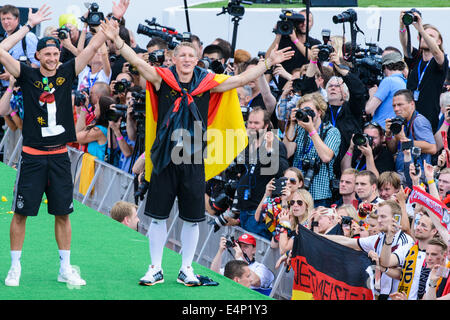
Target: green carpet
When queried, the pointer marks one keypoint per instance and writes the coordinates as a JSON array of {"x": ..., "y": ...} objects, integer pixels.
[{"x": 111, "y": 257}]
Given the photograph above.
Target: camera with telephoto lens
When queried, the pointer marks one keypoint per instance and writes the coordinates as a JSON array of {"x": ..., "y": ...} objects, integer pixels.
[
  {"x": 346, "y": 16},
  {"x": 138, "y": 105},
  {"x": 409, "y": 17},
  {"x": 361, "y": 139},
  {"x": 288, "y": 22},
  {"x": 214, "y": 65},
  {"x": 121, "y": 86},
  {"x": 310, "y": 166},
  {"x": 63, "y": 32},
  {"x": 168, "y": 34},
  {"x": 396, "y": 124},
  {"x": 157, "y": 56},
  {"x": 94, "y": 17},
  {"x": 324, "y": 52},
  {"x": 303, "y": 113},
  {"x": 119, "y": 112},
  {"x": 368, "y": 64}
]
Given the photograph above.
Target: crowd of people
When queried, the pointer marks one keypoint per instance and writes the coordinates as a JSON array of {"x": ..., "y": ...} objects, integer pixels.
[{"x": 326, "y": 150}]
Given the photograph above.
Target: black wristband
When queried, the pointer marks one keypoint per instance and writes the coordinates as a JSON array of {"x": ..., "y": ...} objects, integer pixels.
[
  {"x": 29, "y": 27},
  {"x": 118, "y": 20}
]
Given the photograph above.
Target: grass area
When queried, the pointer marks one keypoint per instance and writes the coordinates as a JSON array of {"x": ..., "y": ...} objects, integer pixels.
[{"x": 361, "y": 3}]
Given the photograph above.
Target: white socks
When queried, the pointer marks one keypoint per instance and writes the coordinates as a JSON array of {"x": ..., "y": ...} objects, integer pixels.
[
  {"x": 189, "y": 239},
  {"x": 15, "y": 258},
  {"x": 157, "y": 234},
  {"x": 64, "y": 258}
]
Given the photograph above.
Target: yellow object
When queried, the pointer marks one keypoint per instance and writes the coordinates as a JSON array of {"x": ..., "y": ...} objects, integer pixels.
[
  {"x": 67, "y": 18},
  {"x": 4, "y": 199},
  {"x": 87, "y": 173}
]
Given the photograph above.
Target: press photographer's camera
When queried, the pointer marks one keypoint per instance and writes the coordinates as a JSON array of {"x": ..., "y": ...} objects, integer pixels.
[
  {"x": 346, "y": 16},
  {"x": 409, "y": 17},
  {"x": 362, "y": 139},
  {"x": 288, "y": 22},
  {"x": 310, "y": 166},
  {"x": 324, "y": 52},
  {"x": 63, "y": 32},
  {"x": 121, "y": 86},
  {"x": 415, "y": 154},
  {"x": 214, "y": 65},
  {"x": 157, "y": 56},
  {"x": 303, "y": 113},
  {"x": 94, "y": 17},
  {"x": 396, "y": 124},
  {"x": 119, "y": 112}
]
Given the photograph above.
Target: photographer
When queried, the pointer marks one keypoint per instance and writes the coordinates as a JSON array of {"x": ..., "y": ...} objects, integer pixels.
[
  {"x": 428, "y": 66},
  {"x": 314, "y": 143},
  {"x": 76, "y": 40},
  {"x": 296, "y": 40},
  {"x": 370, "y": 153},
  {"x": 409, "y": 129},
  {"x": 444, "y": 120},
  {"x": 265, "y": 158},
  {"x": 245, "y": 250},
  {"x": 119, "y": 87},
  {"x": 380, "y": 102},
  {"x": 215, "y": 53}
]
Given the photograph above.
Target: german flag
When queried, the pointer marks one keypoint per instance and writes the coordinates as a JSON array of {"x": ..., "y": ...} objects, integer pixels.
[
  {"x": 226, "y": 132},
  {"x": 325, "y": 270}
]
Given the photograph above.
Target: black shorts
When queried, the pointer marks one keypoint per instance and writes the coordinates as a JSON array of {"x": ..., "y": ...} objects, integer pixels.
[
  {"x": 185, "y": 181},
  {"x": 37, "y": 174}
]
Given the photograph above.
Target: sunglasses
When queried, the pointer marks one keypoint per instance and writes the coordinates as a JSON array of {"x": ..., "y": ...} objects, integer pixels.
[
  {"x": 292, "y": 180},
  {"x": 292, "y": 202}
]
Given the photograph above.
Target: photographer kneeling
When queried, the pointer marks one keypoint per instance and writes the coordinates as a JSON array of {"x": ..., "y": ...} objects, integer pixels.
[{"x": 315, "y": 145}]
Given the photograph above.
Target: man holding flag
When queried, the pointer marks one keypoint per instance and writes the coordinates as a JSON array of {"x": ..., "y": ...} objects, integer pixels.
[{"x": 186, "y": 102}]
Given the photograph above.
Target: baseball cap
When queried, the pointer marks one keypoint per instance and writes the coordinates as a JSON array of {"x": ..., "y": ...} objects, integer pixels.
[
  {"x": 248, "y": 239},
  {"x": 391, "y": 57},
  {"x": 47, "y": 42}
]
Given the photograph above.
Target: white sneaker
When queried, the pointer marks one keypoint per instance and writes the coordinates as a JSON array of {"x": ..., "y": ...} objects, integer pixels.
[
  {"x": 187, "y": 277},
  {"x": 13, "y": 277},
  {"x": 153, "y": 276},
  {"x": 70, "y": 276}
]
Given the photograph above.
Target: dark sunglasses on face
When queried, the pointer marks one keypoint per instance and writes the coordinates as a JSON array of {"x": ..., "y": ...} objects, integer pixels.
[
  {"x": 292, "y": 180},
  {"x": 292, "y": 202}
]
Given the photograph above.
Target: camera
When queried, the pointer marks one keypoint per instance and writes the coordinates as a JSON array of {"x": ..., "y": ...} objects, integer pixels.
[
  {"x": 138, "y": 105},
  {"x": 324, "y": 52},
  {"x": 121, "y": 86},
  {"x": 346, "y": 16},
  {"x": 368, "y": 63},
  {"x": 94, "y": 17},
  {"x": 310, "y": 166},
  {"x": 288, "y": 22},
  {"x": 63, "y": 32},
  {"x": 168, "y": 34},
  {"x": 361, "y": 139},
  {"x": 346, "y": 220},
  {"x": 157, "y": 56},
  {"x": 409, "y": 17},
  {"x": 79, "y": 97},
  {"x": 245, "y": 111},
  {"x": 279, "y": 184},
  {"x": 302, "y": 114},
  {"x": 214, "y": 65},
  {"x": 142, "y": 189},
  {"x": 120, "y": 112},
  {"x": 415, "y": 154},
  {"x": 396, "y": 124},
  {"x": 230, "y": 243}
]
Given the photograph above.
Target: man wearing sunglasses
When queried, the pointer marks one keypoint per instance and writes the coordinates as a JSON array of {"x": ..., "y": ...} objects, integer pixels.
[{"x": 372, "y": 155}]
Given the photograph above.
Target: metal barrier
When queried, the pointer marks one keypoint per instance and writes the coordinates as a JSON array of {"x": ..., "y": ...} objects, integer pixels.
[{"x": 111, "y": 184}]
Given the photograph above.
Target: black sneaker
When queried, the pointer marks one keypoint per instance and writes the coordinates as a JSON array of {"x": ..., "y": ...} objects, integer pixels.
[
  {"x": 187, "y": 277},
  {"x": 152, "y": 277}
]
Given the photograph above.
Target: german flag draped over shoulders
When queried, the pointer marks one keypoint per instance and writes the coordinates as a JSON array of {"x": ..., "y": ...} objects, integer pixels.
[
  {"x": 226, "y": 132},
  {"x": 326, "y": 270}
]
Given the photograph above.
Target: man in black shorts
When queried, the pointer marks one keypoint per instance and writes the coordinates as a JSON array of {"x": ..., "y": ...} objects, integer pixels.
[
  {"x": 179, "y": 105},
  {"x": 45, "y": 166}
]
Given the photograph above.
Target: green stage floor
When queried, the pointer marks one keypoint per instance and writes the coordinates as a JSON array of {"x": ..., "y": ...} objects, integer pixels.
[{"x": 111, "y": 257}]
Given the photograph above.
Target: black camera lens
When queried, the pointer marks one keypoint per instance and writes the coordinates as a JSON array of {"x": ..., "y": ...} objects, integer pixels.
[
  {"x": 396, "y": 125},
  {"x": 324, "y": 52},
  {"x": 359, "y": 139},
  {"x": 302, "y": 114},
  {"x": 346, "y": 16},
  {"x": 284, "y": 28}
]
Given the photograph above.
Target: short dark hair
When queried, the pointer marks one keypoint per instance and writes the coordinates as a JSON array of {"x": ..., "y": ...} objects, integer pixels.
[
  {"x": 266, "y": 116},
  {"x": 7, "y": 8},
  {"x": 226, "y": 47},
  {"x": 156, "y": 41},
  {"x": 396, "y": 66},
  {"x": 406, "y": 93},
  {"x": 234, "y": 268},
  {"x": 212, "y": 48},
  {"x": 366, "y": 173}
]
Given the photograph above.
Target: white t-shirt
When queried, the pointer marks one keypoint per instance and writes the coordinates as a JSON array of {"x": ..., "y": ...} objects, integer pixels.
[
  {"x": 375, "y": 243},
  {"x": 86, "y": 78},
  {"x": 420, "y": 273},
  {"x": 265, "y": 275}
]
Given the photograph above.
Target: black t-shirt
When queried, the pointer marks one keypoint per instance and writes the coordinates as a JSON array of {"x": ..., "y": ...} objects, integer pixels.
[
  {"x": 430, "y": 87},
  {"x": 383, "y": 162},
  {"x": 48, "y": 116}
]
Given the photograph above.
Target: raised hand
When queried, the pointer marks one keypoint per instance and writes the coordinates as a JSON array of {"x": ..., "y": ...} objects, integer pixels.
[
  {"x": 39, "y": 16},
  {"x": 118, "y": 10},
  {"x": 278, "y": 56},
  {"x": 110, "y": 28}
]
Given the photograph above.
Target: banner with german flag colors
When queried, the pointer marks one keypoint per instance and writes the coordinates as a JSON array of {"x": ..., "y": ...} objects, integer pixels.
[
  {"x": 326, "y": 270},
  {"x": 226, "y": 134}
]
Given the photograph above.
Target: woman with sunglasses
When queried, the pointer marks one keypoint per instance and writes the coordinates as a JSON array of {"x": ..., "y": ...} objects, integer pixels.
[
  {"x": 271, "y": 206},
  {"x": 300, "y": 207}
]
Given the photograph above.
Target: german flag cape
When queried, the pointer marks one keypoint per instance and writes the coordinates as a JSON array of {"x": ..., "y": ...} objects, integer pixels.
[
  {"x": 226, "y": 132},
  {"x": 326, "y": 270}
]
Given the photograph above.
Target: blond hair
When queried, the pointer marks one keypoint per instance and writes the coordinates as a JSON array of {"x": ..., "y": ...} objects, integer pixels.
[
  {"x": 317, "y": 99},
  {"x": 309, "y": 202},
  {"x": 121, "y": 210},
  {"x": 183, "y": 44}
]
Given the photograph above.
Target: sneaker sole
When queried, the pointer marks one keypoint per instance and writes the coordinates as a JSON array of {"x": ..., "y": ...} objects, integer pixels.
[
  {"x": 12, "y": 284},
  {"x": 188, "y": 284},
  {"x": 148, "y": 284}
]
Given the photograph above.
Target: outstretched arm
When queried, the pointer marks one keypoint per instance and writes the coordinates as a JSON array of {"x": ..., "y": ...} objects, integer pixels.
[{"x": 276, "y": 57}]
